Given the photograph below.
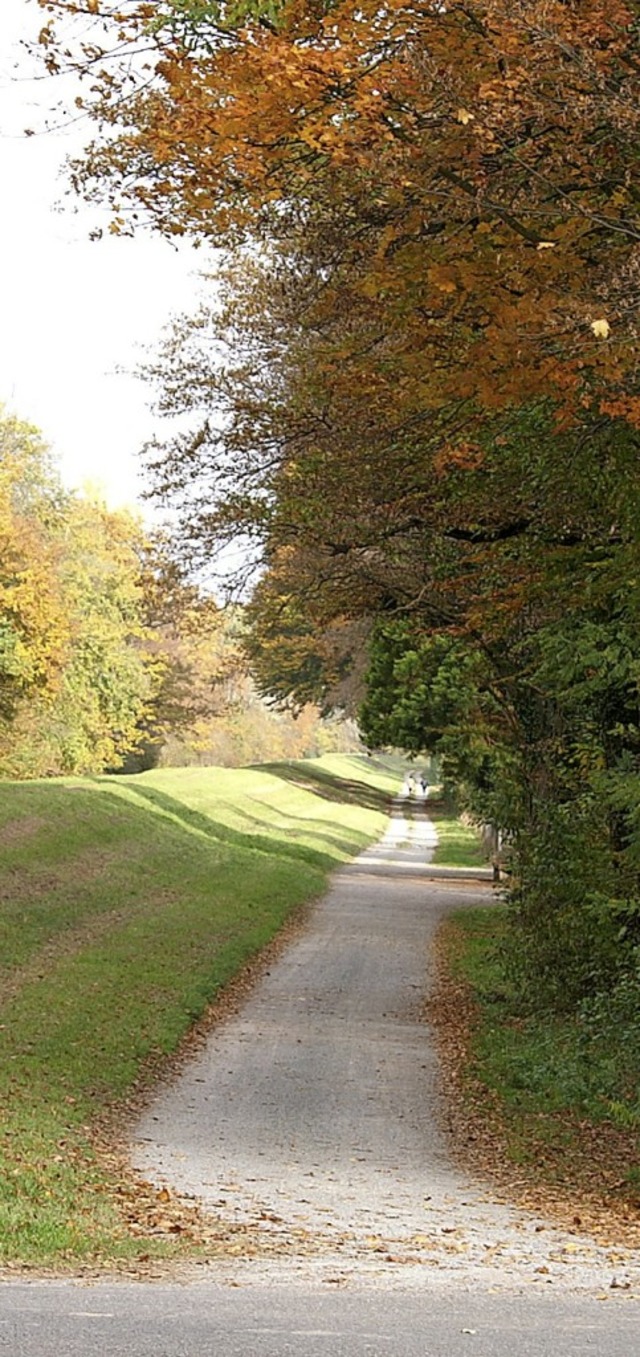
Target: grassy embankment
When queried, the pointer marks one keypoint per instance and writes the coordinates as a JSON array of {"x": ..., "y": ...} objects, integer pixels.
[
  {"x": 126, "y": 905},
  {"x": 552, "y": 1100}
]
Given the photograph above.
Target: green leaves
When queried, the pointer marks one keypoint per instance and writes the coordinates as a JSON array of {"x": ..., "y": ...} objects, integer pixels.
[
  {"x": 201, "y": 25},
  {"x": 74, "y": 678},
  {"x": 414, "y": 395}
]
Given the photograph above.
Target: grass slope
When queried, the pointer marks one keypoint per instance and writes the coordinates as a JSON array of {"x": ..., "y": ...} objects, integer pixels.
[{"x": 126, "y": 904}]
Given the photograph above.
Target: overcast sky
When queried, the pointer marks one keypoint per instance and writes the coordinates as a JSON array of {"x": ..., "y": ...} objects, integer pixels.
[{"x": 73, "y": 311}]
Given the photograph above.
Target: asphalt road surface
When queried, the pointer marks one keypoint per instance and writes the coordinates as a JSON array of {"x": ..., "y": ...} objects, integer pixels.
[
  {"x": 208, "y": 1320},
  {"x": 311, "y": 1118}
]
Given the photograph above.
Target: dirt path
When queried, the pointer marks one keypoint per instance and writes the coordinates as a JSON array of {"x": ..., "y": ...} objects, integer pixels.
[{"x": 313, "y": 1113}]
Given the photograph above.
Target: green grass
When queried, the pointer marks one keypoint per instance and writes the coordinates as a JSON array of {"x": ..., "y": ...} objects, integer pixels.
[
  {"x": 459, "y": 844},
  {"x": 126, "y": 905},
  {"x": 566, "y": 1085}
]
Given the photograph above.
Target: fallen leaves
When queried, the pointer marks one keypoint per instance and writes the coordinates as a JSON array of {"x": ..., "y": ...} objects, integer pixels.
[{"x": 574, "y": 1179}]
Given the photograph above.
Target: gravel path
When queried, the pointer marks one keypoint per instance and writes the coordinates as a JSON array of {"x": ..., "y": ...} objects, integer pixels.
[{"x": 313, "y": 1113}]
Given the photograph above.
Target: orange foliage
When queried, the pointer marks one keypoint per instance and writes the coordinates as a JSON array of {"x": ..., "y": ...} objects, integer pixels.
[{"x": 502, "y": 216}]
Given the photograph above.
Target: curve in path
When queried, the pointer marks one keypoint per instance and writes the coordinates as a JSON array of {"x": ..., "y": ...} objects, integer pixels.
[{"x": 313, "y": 1113}]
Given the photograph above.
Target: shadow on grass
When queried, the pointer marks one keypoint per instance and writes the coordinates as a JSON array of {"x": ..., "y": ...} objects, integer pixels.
[
  {"x": 250, "y": 841},
  {"x": 328, "y": 786}
]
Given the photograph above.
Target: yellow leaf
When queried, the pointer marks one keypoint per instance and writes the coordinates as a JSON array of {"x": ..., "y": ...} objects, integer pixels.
[
  {"x": 546, "y": 245},
  {"x": 601, "y": 328},
  {"x": 464, "y": 116}
]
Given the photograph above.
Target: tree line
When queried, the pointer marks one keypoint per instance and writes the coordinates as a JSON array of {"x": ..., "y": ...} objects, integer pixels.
[
  {"x": 110, "y": 660},
  {"x": 413, "y": 389}
]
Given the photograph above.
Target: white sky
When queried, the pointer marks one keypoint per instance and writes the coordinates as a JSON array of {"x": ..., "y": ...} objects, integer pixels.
[{"x": 71, "y": 310}]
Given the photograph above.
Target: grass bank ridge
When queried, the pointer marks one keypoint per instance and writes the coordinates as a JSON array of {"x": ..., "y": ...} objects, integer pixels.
[{"x": 126, "y": 906}]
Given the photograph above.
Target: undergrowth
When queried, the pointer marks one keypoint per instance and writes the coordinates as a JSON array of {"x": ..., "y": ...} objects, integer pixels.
[{"x": 567, "y": 1085}]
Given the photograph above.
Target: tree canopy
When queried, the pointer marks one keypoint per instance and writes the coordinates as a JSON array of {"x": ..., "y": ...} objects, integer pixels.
[
  {"x": 414, "y": 394},
  {"x": 110, "y": 658}
]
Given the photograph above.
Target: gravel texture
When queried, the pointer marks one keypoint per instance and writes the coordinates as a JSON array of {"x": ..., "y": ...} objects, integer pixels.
[{"x": 313, "y": 1113}]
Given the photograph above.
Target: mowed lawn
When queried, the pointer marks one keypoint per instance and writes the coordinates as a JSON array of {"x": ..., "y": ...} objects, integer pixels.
[{"x": 126, "y": 905}]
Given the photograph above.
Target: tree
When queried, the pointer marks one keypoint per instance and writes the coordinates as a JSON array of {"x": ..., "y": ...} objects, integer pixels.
[
  {"x": 74, "y": 675},
  {"x": 417, "y": 395},
  {"x": 108, "y": 680},
  {"x": 34, "y": 631},
  {"x": 495, "y": 219}
]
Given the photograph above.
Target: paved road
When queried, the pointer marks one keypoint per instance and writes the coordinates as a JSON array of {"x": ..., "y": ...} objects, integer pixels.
[
  {"x": 312, "y": 1119},
  {"x": 207, "y": 1320},
  {"x": 313, "y": 1114}
]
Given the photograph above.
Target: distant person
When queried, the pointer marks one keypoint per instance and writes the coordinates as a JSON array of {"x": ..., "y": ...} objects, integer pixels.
[
  {"x": 424, "y": 785},
  {"x": 410, "y": 783}
]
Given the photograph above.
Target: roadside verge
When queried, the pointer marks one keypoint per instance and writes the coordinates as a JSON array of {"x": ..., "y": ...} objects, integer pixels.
[{"x": 519, "y": 1131}]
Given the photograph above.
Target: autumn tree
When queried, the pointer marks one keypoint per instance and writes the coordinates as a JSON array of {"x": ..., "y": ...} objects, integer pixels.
[
  {"x": 487, "y": 209},
  {"x": 416, "y": 395},
  {"x": 110, "y": 658},
  {"x": 34, "y": 630},
  {"x": 76, "y": 675}
]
